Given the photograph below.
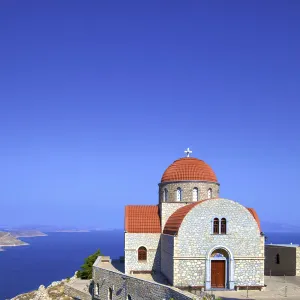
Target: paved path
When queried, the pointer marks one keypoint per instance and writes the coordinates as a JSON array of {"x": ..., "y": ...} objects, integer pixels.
[{"x": 275, "y": 289}]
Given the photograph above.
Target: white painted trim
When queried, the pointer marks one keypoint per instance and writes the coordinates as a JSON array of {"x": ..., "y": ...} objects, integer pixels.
[
  {"x": 204, "y": 257},
  {"x": 230, "y": 281}
]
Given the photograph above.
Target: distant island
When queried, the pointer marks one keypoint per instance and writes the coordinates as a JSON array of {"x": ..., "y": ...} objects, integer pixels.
[{"x": 10, "y": 238}]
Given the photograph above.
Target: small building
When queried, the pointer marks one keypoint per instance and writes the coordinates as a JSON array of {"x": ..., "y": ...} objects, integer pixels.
[
  {"x": 193, "y": 237},
  {"x": 282, "y": 259}
]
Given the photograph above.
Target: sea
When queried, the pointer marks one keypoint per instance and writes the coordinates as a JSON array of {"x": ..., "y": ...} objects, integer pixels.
[{"x": 59, "y": 255}]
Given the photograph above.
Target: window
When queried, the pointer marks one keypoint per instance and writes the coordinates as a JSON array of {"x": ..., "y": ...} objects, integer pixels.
[
  {"x": 165, "y": 195},
  {"x": 97, "y": 289},
  {"x": 216, "y": 226},
  {"x": 209, "y": 193},
  {"x": 223, "y": 226},
  {"x": 195, "y": 194},
  {"x": 129, "y": 297},
  {"x": 277, "y": 259},
  {"x": 110, "y": 292},
  {"x": 178, "y": 194},
  {"x": 142, "y": 254}
]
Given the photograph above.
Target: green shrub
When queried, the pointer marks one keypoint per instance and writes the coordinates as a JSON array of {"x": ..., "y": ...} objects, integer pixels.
[{"x": 86, "y": 271}]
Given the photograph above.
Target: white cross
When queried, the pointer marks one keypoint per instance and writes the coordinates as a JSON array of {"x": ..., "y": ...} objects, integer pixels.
[{"x": 188, "y": 152}]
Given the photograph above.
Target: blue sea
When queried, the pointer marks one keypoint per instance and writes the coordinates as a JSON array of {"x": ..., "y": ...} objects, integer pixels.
[
  {"x": 59, "y": 255},
  {"x": 52, "y": 258}
]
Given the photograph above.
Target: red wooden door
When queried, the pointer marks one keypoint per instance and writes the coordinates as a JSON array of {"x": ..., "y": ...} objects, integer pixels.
[{"x": 218, "y": 273}]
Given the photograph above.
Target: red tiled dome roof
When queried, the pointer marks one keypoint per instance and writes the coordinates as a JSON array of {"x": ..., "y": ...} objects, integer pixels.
[{"x": 189, "y": 168}]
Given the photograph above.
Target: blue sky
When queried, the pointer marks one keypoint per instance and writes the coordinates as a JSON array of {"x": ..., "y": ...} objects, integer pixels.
[{"x": 99, "y": 97}]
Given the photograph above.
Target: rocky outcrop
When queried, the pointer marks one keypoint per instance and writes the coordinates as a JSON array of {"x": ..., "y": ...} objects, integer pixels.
[{"x": 55, "y": 291}]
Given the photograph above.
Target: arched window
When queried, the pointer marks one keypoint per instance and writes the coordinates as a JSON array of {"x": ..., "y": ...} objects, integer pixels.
[
  {"x": 129, "y": 297},
  {"x": 223, "y": 226},
  {"x": 195, "y": 194},
  {"x": 165, "y": 195},
  {"x": 178, "y": 194},
  {"x": 110, "y": 292},
  {"x": 209, "y": 193},
  {"x": 216, "y": 226},
  {"x": 142, "y": 254},
  {"x": 277, "y": 259}
]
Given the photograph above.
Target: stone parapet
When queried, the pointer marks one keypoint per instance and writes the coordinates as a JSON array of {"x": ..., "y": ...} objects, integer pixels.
[{"x": 122, "y": 286}]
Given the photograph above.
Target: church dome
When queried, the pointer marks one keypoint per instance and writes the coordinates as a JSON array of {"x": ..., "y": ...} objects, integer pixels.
[{"x": 189, "y": 168}]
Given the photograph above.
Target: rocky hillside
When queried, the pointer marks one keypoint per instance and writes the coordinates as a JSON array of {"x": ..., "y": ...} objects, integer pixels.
[
  {"x": 6, "y": 239},
  {"x": 26, "y": 233},
  {"x": 55, "y": 291}
]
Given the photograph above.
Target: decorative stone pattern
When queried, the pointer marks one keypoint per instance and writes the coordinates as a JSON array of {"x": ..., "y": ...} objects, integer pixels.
[
  {"x": 187, "y": 190},
  {"x": 124, "y": 285},
  {"x": 298, "y": 261},
  {"x": 195, "y": 241},
  {"x": 152, "y": 243},
  {"x": 167, "y": 253}
]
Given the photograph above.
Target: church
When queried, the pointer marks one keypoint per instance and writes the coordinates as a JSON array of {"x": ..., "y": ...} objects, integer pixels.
[{"x": 194, "y": 238}]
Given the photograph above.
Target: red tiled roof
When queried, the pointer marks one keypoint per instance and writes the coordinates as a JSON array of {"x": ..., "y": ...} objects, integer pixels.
[
  {"x": 174, "y": 222},
  {"x": 189, "y": 168},
  {"x": 255, "y": 216},
  {"x": 142, "y": 219}
]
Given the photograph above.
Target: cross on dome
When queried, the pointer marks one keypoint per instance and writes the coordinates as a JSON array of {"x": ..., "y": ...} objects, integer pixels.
[{"x": 188, "y": 152}]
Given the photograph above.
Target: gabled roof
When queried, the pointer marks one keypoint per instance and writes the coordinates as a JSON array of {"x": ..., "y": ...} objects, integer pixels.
[{"x": 142, "y": 219}]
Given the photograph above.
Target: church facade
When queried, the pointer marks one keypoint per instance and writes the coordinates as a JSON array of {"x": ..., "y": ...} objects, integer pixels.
[{"x": 192, "y": 236}]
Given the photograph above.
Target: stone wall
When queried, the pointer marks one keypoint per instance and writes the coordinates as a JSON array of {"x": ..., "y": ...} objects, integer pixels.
[
  {"x": 167, "y": 252},
  {"x": 249, "y": 272},
  {"x": 298, "y": 261},
  {"x": 125, "y": 285},
  {"x": 187, "y": 190},
  {"x": 152, "y": 243},
  {"x": 189, "y": 272},
  {"x": 195, "y": 236},
  {"x": 73, "y": 291},
  {"x": 196, "y": 241}
]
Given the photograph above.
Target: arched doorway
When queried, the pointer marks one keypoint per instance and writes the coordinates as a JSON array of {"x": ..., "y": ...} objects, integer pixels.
[{"x": 219, "y": 269}]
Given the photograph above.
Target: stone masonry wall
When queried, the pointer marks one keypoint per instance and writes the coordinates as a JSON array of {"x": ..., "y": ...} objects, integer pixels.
[
  {"x": 298, "y": 261},
  {"x": 124, "y": 285},
  {"x": 187, "y": 190},
  {"x": 152, "y": 243},
  {"x": 196, "y": 240},
  {"x": 249, "y": 272},
  {"x": 167, "y": 252},
  {"x": 190, "y": 272}
]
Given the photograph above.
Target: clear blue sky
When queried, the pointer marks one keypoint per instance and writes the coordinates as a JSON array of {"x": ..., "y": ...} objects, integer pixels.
[{"x": 99, "y": 97}]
